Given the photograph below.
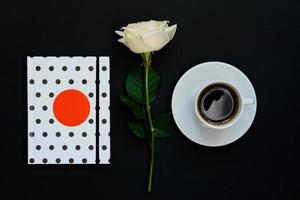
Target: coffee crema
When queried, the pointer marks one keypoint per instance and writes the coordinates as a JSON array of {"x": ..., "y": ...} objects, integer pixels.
[{"x": 218, "y": 103}]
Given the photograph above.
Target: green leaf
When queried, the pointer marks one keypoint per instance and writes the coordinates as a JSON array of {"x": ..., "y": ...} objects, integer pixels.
[
  {"x": 135, "y": 108},
  {"x": 135, "y": 84},
  {"x": 138, "y": 129},
  {"x": 163, "y": 125}
]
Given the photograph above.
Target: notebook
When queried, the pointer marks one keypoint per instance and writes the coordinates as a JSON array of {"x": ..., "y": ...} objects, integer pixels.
[{"x": 68, "y": 110}]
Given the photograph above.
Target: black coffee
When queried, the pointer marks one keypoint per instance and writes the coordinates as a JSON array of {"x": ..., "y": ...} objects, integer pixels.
[{"x": 217, "y": 103}]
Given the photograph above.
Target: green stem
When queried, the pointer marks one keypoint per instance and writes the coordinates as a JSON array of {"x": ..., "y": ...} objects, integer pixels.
[{"x": 147, "y": 61}]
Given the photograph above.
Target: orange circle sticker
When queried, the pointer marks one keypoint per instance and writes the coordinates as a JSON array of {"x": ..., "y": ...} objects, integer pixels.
[{"x": 71, "y": 107}]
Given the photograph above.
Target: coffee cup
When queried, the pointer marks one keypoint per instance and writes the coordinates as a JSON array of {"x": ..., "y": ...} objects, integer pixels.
[{"x": 219, "y": 104}]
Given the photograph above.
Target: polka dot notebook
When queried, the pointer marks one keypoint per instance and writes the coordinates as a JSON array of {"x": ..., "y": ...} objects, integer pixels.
[{"x": 65, "y": 125}]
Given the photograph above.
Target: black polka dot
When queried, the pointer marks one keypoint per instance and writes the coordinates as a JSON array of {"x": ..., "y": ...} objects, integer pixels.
[
  {"x": 77, "y": 147},
  {"x": 45, "y": 108},
  {"x": 64, "y": 68},
  {"x": 58, "y": 134},
  {"x": 31, "y": 160},
  {"x": 77, "y": 68},
  {"x": 91, "y": 94},
  {"x": 51, "y": 121},
  {"x": 44, "y": 81},
  {"x": 51, "y": 94},
  {"x": 38, "y": 147},
  {"x": 31, "y": 107},
  {"x": 51, "y": 68},
  {"x": 103, "y": 121},
  {"x": 91, "y": 121},
  {"x": 91, "y": 68},
  {"x": 38, "y": 121},
  {"x": 58, "y": 160},
  {"x": 104, "y": 94},
  {"x": 45, "y": 134},
  {"x": 31, "y": 81},
  {"x": 31, "y": 134},
  {"x": 84, "y": 160},
  {"x": 71, "y": 160},
  {"x": 45, "y": 160},
  {"x": 84, "y": 134},
  {"x": 57, "y": 81},
  {"x": 71, "y": 134},
  {"x": 104, "y": 147},
  {"x": 38, "y": 94},
  {"x": 71, "y": 81},
  {"x": 64, "y": 147},
  {"x": 37, "y": 68},
  {"x": 84, "y": 81},
  {"x": 91, "y": 147},
  {"x": 51, "y": 147},
  {"x": 104, "y": 68}
]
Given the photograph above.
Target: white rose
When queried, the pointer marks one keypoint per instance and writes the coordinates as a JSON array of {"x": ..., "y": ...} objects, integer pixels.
[{"x": 143, "y": 37}]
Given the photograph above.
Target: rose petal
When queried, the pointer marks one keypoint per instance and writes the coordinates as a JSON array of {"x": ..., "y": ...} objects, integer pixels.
[
  {"x": 122, "y": 40},
  {"x": 156, "y": 39},
  {"x": 148, "y": 25},
  {"x": 120, "y": 33},
  {"x": 171, "y": 31},
  {"x": 137, "y": 45},
  {"x": 163, "y": 24},
  {"x": 134, "y": 32}
]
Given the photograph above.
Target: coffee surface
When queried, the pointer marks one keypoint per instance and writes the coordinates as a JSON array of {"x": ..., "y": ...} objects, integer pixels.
[{"x": 217, "y": 104}]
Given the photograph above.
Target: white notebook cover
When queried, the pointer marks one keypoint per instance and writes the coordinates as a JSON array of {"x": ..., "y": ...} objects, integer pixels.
[{"x": 62, "y": 110}]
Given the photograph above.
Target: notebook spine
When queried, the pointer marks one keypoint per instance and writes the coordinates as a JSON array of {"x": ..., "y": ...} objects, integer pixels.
[{"x": 104, "y": 113}]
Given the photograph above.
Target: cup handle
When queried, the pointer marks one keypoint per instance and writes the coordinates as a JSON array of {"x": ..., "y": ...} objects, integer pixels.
[{"x": 248, "y": 101}]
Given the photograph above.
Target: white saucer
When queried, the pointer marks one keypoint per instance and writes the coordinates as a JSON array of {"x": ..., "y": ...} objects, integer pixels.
[{"x": 183, "y": 104}]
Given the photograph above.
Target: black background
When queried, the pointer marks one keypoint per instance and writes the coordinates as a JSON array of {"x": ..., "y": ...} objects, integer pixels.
[{"x": 261, "y": 38}]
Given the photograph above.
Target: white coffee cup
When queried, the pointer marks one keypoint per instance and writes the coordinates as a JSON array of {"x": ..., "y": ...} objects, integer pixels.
[{"x": 239, "y": 105}]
